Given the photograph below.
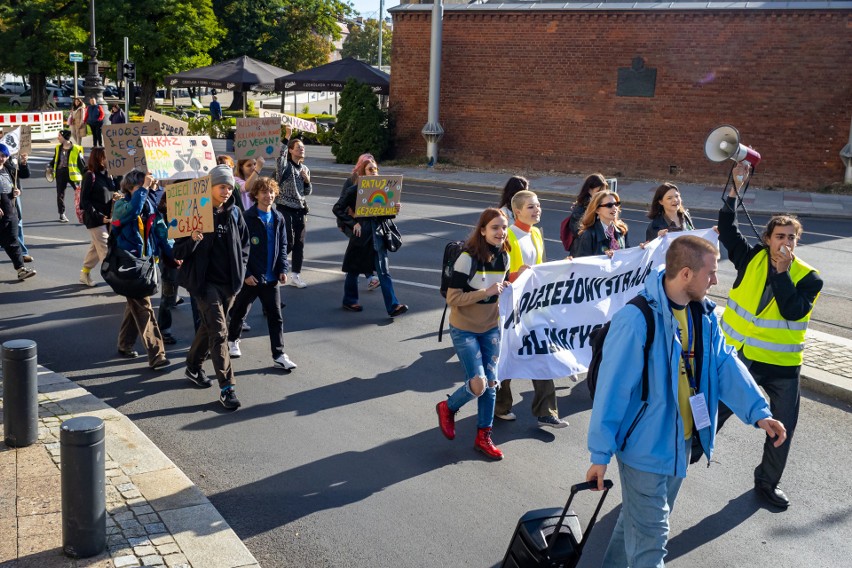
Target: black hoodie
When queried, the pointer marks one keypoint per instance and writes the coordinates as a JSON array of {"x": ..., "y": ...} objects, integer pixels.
[{"x": 199, "y": 260}]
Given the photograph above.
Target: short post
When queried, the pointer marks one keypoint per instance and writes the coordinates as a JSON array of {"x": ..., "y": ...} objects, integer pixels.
[
  {"x": 83, "y": 459},
  {"x": 20, "y": 393}
]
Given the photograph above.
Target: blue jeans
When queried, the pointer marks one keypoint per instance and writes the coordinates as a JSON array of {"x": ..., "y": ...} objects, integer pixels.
[
  {"x": 350, "y": 285},
  {"x": 24, "y": 249},
  {"x": 642, "y": 530},
  {"x": 473, "y": 349}
]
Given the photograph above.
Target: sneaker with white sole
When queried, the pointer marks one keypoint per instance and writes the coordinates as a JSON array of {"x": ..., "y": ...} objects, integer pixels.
[
  {"x": 86, "y": 279},
  {"x": 234, "y": 349},
  {"x": 245, "y": 327},
  {"x": 63, "y": 218},
  {"x": 296, "y": 280},
  {"x": 24, "y": 273},
  {"x": 229, "y": 399},
  {"x": 373, "y": 283},
  {"x": 508, "y": 416},
  {"x": 551, "y": 422},
  {"x": 284, "y": 362},
  {"x": 198, "y": 377}
]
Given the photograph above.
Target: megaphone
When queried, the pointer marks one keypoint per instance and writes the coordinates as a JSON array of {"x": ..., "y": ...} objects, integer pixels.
[{"x": 723, "y": 143}]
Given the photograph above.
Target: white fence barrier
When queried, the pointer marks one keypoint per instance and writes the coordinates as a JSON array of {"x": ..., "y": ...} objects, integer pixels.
[{"x": 43, "y": 125}]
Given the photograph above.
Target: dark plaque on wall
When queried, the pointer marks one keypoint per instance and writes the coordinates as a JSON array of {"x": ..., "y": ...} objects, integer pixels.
[{"x": 636, "y": 80}]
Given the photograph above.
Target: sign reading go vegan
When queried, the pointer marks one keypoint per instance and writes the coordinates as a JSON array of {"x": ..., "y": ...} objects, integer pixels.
[
  {"x": 257, "y": 138},
  {"x": 378, "y": 195},
  {"x": 189, "y": 207}
]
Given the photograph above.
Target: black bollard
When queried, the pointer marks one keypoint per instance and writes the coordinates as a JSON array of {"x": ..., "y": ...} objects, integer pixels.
[
  {"x": 20, "y": 393},
  {"x": 83, "y": 459}
]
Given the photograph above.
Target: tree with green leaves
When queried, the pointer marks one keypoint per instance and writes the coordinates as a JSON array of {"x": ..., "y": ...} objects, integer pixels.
[
  {"x": 361, "y": 125},
  {"x": 36, "y": 37},
  {"x": 363, "y": 42}
]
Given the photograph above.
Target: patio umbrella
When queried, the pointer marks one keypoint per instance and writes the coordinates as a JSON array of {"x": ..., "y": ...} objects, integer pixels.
[{"x": 333, "y": 76}]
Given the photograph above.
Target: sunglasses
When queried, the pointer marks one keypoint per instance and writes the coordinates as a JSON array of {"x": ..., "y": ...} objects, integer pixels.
[{"x": 611, "y": 205}]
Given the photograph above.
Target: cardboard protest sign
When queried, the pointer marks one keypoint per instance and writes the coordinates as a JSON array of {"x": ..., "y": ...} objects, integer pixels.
[
  {"x": 189, "y": 207},
  {"x": 12, "y": 140},
  {"x": 169, "y": 126},
  {"x": 378, "y": 195},
  {"x": 293, "y": 121},
  {"x": 26, "y": 139},
  {"x": 178, "y": 157},
  {"x": 123, "y": 146},
  {"x": 257, "y": 138}
]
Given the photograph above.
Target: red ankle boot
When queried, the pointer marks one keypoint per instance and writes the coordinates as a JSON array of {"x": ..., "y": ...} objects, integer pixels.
[
  {"x": 484, "y": 444},
  {"x": 446, "y": 420}
]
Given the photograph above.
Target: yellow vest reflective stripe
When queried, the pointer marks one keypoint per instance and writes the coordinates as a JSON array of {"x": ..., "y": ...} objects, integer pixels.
[
  {"x": 516, "y": 258},
  {"x": 765, "y": 337},
  {"x": 74, "y": 173}
]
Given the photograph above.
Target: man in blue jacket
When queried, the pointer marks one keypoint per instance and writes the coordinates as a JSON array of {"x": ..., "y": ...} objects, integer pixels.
[{"x": 690, "y": 369}]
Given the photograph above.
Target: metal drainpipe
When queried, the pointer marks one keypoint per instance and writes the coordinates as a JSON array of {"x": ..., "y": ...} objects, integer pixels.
[{"x": 432, "y": 131}]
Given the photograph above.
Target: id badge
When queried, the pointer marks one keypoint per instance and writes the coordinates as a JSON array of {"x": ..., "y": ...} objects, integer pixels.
[{"x": 699, "y": 411}]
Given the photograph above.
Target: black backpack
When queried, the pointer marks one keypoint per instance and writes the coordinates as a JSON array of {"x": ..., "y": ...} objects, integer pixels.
[
  {"x": 451, "y": 253},
  {"x": 596, "y": 340}
]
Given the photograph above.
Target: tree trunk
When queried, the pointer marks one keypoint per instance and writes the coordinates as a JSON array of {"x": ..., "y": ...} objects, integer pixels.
[
  {"x": 38, "y": 92},
  {"x": 149, "y": 90},
  {"x": 237, "y": 103}
]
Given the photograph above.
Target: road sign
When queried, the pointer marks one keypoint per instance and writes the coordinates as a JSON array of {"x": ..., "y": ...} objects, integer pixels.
[{"x": 75, "y": 57}]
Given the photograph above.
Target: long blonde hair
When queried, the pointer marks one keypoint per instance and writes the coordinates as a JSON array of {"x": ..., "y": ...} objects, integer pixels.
[{"x": 591, "y": 214}]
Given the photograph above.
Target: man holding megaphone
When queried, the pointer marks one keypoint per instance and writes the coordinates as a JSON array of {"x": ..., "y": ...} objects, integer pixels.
[{"x": 766, "y": 318}]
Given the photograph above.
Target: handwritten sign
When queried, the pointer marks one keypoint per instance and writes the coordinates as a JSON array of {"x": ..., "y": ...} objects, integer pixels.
[
  {"x": 26, "y": 139},
  {"x": 123, "y": 146},
  {"x": 178, "y": 157},
  {"x": 289, "y": 120},
  {"x": 257, "y": 138},
  {"x": 169, "y": 126},
  {"x": 189, "y": 207},
  {"x": 378, "y": 195}
]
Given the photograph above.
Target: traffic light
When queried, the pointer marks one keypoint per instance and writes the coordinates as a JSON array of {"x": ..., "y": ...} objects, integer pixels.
[{"x": 129, "y": 71}]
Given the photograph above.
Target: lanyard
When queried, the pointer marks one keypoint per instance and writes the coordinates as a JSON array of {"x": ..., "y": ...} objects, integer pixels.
[{"x": 684, "y": 352}]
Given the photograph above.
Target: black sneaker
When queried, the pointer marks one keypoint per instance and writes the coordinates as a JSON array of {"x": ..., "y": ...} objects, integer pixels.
[
  {"x": 161, "y": 364},
  {"x": 169, "y": 339},
  {"x": 128, "y": 353},
  {"x": 229, "y": 399},
  {"x": 199, "y": 377}
]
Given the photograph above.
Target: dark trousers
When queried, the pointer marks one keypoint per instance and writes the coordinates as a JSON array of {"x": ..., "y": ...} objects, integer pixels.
[
  {"x": 9, "y": 231},
  {"x": 97, "y": 139},
  {"x": 295, "y": 221},
  {"x": 784, "y": 401},
  {"x": 62, "y": 181},
  {"x": 212, "y": 335},
  {"x": 270, "y": 299},
  {"x": 543, "y": 402},
  {"x": 168, "y": 296}
]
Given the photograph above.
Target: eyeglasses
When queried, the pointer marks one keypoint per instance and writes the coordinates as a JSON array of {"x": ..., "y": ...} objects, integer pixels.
[{"x": 611, "y": 204}]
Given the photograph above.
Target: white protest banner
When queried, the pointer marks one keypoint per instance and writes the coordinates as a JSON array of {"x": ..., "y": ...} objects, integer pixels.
[
  {"x": 290, "y": 120},
  {"x": 123, "y": 146},
  {"x": 12, "y": 140},
  {"x": 26, "y": 139},
  {"x": 169, "y": 126},
  {"x": 189, "y": 207},
  {"x": 378, "y": 195},
  {"x": 548, "y": 313},
  {"x": 257, "y": 138},
  {"x": 178, "y": 157}
]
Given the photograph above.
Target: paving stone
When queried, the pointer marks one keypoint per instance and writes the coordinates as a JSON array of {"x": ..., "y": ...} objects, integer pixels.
[
  {"x": 116, "y": 540},
  {"x": 31, "y": 545},
  {"x": 125, "y": 487},
  {"x": 135, "y": 531},
  {"x": 144, "y": 550},
  {"x": 149, "y": 519},
  {"x": 167, "y": 549},
  {"x": 102, "y": 560},
  {"x": 143, "y": 510},
  {"x": 8, "y": 543},
  {"x": 155, "y": 528},
  {"x": 34, "y": 525},
  {"x": 153, "y": 560},
  {"x": 161, "y": 539},
  {"x": 128, "y": 524},
  {"x": 176, "y": 561},
  {"x": 140, "y": 541},
  {"x": 124, "y": 561}
]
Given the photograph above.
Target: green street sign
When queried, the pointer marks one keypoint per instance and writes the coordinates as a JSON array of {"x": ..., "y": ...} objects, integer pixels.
[{"x": 75, "y": 57}]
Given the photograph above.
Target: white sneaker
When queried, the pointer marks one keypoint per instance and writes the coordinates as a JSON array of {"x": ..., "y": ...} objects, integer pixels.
[
  {"x": 508, "y": 416},
  {"x": 86, "y": 279},
  {"x": 25, "y": 272},
  {"x": 245, "y": 326},
  {"x": 284, "y": 362},
  {"x": 373, "y": 283},
  {"x": 234, "y": 349},
  {"x": 296, "y": 280}
]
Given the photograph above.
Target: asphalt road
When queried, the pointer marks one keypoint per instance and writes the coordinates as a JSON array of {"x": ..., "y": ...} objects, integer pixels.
[{"x": 340, "y": 462}]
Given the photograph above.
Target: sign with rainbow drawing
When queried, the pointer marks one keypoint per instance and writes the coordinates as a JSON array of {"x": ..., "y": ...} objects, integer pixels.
[
  {"x": 378, "y": 196},
  {"x": 189, "y": 207}
]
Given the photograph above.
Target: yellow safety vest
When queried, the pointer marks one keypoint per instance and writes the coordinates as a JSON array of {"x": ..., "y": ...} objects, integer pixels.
[
  {"x": 516, "y": 259},
  {"x": 765, "y": 337},
  {"x": 74, "y": 173}
]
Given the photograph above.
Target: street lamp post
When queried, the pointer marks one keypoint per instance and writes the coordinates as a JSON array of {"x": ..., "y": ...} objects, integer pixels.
[
  {"x": 92, "y": 84},
  {"x": 381, "y": 29}
]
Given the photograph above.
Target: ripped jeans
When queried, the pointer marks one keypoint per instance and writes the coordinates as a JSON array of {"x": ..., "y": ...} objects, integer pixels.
[{"x": 478, "y": 355}]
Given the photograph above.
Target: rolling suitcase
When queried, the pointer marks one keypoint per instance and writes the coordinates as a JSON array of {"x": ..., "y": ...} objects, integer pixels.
[{"x": 552, "y": 537}]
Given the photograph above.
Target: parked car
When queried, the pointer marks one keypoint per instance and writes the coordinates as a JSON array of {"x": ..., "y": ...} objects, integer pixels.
[
  {"x": 56, "y": 96},
  {"x": 113, "y": 92},
  {"x": 15, "y": 87}
]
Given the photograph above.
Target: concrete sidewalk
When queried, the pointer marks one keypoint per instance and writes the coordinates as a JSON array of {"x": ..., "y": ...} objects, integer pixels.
[{"x": 156, "y": 516}]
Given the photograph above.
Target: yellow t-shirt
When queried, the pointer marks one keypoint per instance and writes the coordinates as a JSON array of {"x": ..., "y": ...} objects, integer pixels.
[{"x": 683, "y": 389}]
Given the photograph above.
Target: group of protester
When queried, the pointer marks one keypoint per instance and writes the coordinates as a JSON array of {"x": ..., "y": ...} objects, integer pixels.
[{"x": 700, "y": 371}]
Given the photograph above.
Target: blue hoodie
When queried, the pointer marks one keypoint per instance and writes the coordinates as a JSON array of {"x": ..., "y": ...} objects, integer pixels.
[
  {"x": 651, "y": 439},
  {"x": 125, "y": 220}
]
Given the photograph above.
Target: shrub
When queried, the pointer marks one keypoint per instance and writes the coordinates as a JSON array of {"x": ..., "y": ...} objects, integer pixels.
[{"x": 361, "y": 125}]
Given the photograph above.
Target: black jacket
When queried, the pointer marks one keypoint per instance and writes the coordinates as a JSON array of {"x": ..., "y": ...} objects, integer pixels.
[
  {"x": 6, "y": 203},
  {"x": 660, "y": 222},
  {"x": 360, "y": 253},
  {"x": 593, "y": 241},
  {"x": 196, "y": 255},
  {"x": 258, "y": 239},
  {"x": 96, "y": 198}
]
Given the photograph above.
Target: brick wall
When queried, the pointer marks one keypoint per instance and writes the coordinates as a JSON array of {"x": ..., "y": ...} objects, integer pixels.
[{"x": 538, "y": 90}]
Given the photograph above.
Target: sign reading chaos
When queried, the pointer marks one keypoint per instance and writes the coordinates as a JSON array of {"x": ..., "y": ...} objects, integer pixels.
[
  {"x": 257, "y": 138},
  {"x": 378, "y": 195},
  {"x": 169, "y": 126},
  {"x": 292, "y": 121},
  {"x": 189, "y": 207},
  {"x": 178, "y": 157},
  {"x": 123, "y": 146}
]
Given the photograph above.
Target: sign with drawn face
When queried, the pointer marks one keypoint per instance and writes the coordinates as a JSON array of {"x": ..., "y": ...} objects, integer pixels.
[
  {"x": 378, "y": 195},
  {"x": 189, "y": 207},
  {"x": 257, "y": 138},
  {"x": 123, "y": 146},
  {"x": 169, "y": 126},
  {"x": 179, "y": 157}
]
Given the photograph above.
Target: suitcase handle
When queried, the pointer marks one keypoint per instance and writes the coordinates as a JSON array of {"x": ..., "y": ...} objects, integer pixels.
[{"x": 588, "y": 485}]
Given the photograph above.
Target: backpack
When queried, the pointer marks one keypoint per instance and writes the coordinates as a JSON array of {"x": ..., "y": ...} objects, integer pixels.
[
  {"x": 565, "y": 233},
  {"x": 451, "y": 253},
  {"x": 596, "y": 340}
]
